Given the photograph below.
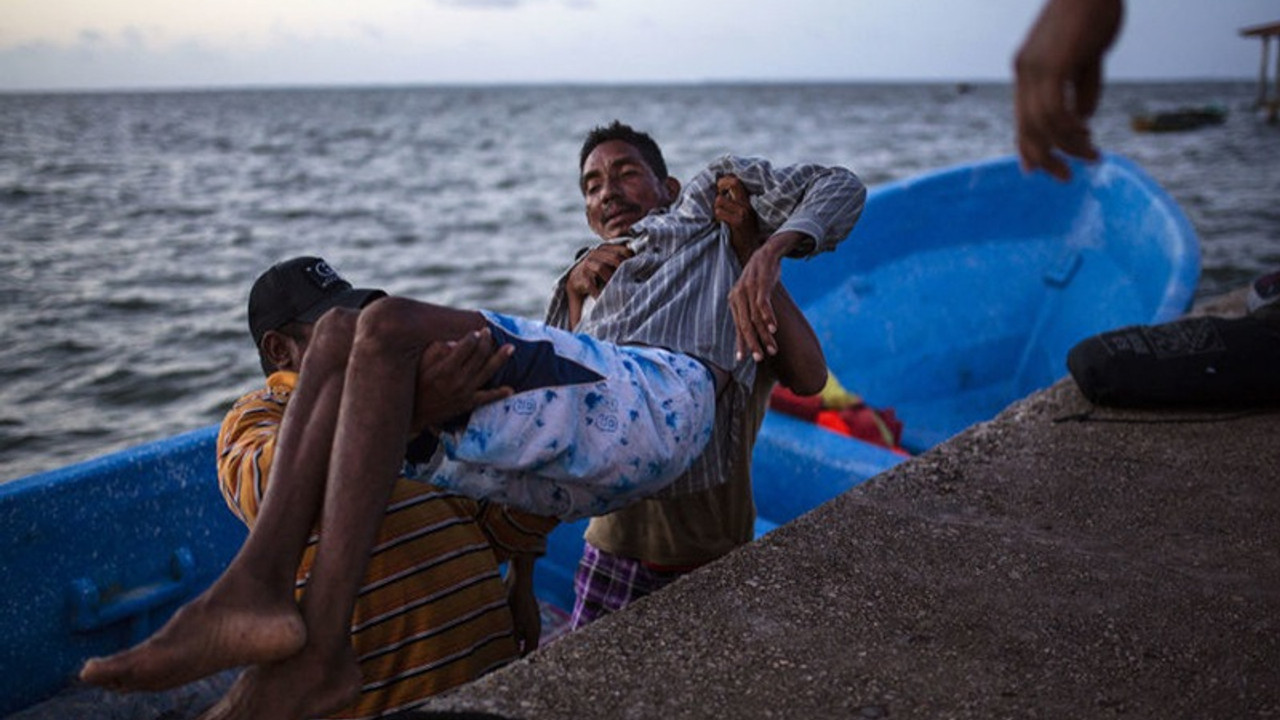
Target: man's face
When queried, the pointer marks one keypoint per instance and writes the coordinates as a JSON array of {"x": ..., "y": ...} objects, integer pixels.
[{"x": 620, "y": 188}]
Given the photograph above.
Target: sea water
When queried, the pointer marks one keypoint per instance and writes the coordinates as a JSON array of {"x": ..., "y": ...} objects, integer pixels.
[{"x": 131, "y": 224}]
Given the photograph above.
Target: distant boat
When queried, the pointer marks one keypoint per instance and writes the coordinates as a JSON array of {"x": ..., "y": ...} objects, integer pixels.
[
  {"x": 1187, "y": 118},
  {"x": 959, "y": 292}
]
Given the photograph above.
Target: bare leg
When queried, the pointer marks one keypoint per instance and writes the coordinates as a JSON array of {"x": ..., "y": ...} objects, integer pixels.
[
  {"x": 249, "y": 615},
  {"x": 368, "y": 450}
]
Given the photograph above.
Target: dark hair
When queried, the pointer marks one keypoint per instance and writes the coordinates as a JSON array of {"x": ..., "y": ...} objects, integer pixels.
[{"x": 617, "y": 130}]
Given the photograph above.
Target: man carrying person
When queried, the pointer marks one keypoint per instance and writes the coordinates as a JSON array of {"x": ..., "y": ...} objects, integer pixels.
[
  {"x": 592, "y": 426},
  {"x": 803, "y": 209},
  {"x": 432, "y": 612}
]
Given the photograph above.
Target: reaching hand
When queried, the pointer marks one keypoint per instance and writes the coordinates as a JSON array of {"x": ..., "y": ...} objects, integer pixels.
[
  {"x": 1059, "y": 81},
  {"x": 451, "y": 377}
]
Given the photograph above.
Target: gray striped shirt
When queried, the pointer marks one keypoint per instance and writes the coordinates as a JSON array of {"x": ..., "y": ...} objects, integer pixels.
[{"x": 674, "y": 293}]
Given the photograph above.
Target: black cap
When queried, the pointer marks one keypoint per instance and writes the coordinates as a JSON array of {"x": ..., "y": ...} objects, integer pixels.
[{"x": 300, "y": 290}]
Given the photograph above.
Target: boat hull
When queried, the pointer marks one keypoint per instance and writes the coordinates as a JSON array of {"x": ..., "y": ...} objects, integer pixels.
[{"x": 962, "y": 291}]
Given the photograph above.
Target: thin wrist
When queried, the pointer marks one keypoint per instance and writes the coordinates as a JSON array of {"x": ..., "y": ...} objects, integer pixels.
[{"x": 779, "y": 245}]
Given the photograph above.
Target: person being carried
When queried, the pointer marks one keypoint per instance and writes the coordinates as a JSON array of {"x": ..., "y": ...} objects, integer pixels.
[
  {"x": 628, "y": 193},
  {"x": 340, "y": 448},
  {"x": 593, "y": 424}
]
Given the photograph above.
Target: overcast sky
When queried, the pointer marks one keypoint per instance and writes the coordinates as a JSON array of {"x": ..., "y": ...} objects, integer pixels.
[{"x": 106, "y": 44}]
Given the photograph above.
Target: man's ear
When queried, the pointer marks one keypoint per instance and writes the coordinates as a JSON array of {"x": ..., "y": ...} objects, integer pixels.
[
  {"x": 673, "y": 188},
  {"x": 277, "y": 348}
]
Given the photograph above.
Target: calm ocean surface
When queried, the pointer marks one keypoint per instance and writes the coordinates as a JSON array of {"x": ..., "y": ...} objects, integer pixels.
[{"x": 132, "y": 224}]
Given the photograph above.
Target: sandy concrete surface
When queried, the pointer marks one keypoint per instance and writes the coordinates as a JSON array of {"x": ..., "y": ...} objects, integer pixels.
[{"x": 1058, "y": 561}]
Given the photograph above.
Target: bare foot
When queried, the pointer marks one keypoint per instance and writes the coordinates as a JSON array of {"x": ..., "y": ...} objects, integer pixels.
[
  {"x": 307, "y": 684},
  {"x": 205, "y": 636}
]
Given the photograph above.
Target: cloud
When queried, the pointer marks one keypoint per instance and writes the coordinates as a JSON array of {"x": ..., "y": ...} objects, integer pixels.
[
  {"x": 370, "y": 32},
  {"x": 156, "y": 43},
  {"x": 482, "y": 4},
  {"x": 509, "y": 4},
  {"x": 91, "y": 38}
]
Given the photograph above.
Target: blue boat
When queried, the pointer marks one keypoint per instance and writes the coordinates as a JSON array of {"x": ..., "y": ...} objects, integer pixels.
[{"x": 960, "y": 292}]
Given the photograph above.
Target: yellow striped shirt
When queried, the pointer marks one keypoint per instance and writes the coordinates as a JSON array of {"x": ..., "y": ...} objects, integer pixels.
[{"x": 432, "y": 612}]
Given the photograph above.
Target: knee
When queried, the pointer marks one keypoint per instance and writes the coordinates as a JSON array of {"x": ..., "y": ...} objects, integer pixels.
[
  {"x": 389, "y": 324},
  {"x": 334, "y": 333},
  {"x": 338, "y": 324}
]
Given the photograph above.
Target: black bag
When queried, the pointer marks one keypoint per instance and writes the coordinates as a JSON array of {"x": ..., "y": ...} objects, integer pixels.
[{"x": 1203, "y": 361}]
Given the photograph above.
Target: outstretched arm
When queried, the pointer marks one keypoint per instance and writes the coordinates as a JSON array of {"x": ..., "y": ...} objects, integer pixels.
[{"x": 1059, "y": 80}]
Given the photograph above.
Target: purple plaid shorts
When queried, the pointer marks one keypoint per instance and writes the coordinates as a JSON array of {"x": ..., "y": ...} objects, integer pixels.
[{"x": 604, "y": 583}]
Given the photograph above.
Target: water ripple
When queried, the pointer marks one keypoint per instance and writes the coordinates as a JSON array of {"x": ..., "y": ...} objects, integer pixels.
[{"x": 132, "y": 224}]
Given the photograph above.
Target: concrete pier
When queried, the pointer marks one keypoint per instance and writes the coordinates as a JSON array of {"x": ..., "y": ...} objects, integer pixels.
[{"x": 1058, "y": 561}]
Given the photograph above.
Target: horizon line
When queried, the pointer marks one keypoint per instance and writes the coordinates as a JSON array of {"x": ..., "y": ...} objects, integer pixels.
[{"x": 594, "y": 84}]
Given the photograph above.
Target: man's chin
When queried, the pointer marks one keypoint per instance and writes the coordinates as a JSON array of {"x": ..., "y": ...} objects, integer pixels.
[{"x": 618, "y": 228}]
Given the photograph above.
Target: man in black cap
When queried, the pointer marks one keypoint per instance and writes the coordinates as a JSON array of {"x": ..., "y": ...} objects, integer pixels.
[
  {"x": 432, "y": 597},
  {"x": 299, "y": 291}
]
